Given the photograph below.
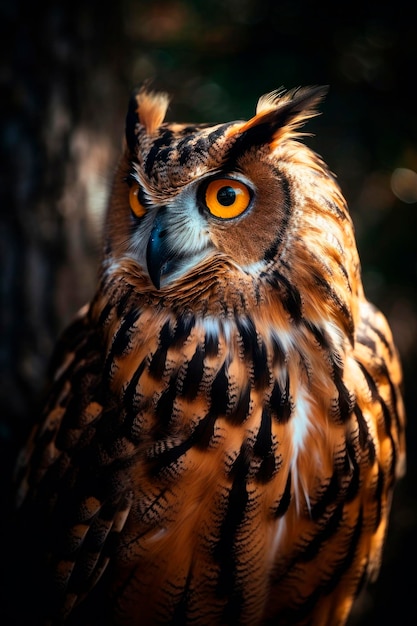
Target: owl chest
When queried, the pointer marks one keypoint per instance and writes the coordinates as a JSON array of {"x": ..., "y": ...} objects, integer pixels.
[
  {"x": 222, "y": 452},
  {"x": 220, "y": 425}
]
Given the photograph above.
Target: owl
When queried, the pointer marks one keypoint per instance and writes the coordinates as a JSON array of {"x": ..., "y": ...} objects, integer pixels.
[{"x": 224, "y": 424}]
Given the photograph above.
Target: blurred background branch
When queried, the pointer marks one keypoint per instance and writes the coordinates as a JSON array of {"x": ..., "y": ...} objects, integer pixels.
[{"x": 67, "y": 70}]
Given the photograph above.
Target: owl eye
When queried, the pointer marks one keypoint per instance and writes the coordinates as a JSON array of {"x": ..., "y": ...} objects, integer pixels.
[
  {"x": 227, "y": 198},
  {"x": 135, "y": 204}
]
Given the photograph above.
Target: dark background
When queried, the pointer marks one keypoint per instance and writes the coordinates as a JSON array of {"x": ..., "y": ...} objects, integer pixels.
[{"x": 66, "y": 73}]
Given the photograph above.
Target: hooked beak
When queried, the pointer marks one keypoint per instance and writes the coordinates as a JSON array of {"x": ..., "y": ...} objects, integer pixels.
[
  {"x": 170, "y": 252},
  {"x": 160, "y": 259}
]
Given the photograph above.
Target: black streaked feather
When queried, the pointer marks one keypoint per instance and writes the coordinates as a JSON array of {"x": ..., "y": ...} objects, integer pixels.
[{"x": 194, "y": 374}]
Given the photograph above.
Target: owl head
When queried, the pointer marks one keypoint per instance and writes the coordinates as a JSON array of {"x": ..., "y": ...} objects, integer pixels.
[{"x": 246, "y": 200}]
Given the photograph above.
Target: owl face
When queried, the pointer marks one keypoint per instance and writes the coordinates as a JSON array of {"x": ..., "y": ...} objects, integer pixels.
[
  {"x": 247, "y": 194},
  {"x": 215, "y": 210}
]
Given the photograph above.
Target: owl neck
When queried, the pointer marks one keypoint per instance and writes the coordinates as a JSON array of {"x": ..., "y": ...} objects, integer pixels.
[
  {"x": 217, "y": 289},
  {"x": 271, "y": 312}
]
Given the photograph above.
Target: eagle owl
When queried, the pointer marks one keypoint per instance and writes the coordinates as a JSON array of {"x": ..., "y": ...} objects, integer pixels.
[{"x": 224, "y": 425}]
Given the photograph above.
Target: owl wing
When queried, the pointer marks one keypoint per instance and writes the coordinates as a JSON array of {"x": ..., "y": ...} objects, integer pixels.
[
  {"x": 75, "y": 509},
  {"x": 378, "y": 358},
  {"x": 381, "y": 420}
]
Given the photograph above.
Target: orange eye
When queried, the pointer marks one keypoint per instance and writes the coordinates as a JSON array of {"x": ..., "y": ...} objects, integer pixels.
[
  {"x": 135, "y": 204},
  {"x": 227, "y": 198}
]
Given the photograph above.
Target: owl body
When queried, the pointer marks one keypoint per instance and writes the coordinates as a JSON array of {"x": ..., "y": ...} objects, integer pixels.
[{"x": 225, "y": 423}]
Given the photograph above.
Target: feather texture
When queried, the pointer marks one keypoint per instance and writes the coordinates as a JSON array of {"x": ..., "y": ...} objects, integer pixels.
[{"x": 225, "y": 422}]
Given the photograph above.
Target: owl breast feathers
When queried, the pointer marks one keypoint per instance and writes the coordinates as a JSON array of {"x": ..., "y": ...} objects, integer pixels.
[{"x": 225, "y": 425}]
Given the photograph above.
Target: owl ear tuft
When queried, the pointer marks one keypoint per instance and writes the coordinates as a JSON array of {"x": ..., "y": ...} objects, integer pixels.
[
  {"x": 147, "y": 109},
  {"x": 280, "y": 114}
]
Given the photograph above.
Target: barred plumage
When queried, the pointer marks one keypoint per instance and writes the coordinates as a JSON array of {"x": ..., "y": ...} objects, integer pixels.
[{"x": 225, "y": 424}]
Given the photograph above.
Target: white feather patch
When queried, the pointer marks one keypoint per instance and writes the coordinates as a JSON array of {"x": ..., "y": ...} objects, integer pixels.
[{"x": 302, "y": 426}]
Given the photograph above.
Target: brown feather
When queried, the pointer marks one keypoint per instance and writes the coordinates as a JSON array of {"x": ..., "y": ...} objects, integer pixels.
[{"x": 220, "y": 444}]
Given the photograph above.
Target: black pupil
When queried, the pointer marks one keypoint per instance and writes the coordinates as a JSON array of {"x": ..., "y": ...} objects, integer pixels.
[{"x": 226, "y": 196}]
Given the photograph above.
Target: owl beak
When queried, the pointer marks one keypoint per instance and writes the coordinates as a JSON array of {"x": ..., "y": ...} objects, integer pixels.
[
  {"x": 159, "y": 258},
  {"x": 165, "y": 260}
]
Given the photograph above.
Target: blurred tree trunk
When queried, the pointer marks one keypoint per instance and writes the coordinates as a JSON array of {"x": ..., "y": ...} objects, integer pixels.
[{"x": 58, "y": 70}]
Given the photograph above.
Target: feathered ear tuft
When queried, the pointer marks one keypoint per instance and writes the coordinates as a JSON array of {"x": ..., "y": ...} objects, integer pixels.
[
  {"x": 271, "y": 100},
  {"x": 279, "y": 114},
  {"x": 147, "y": 109}
]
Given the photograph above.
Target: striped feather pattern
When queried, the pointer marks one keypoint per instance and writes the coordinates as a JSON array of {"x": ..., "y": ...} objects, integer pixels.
[{"x": 220, "y": 448}]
